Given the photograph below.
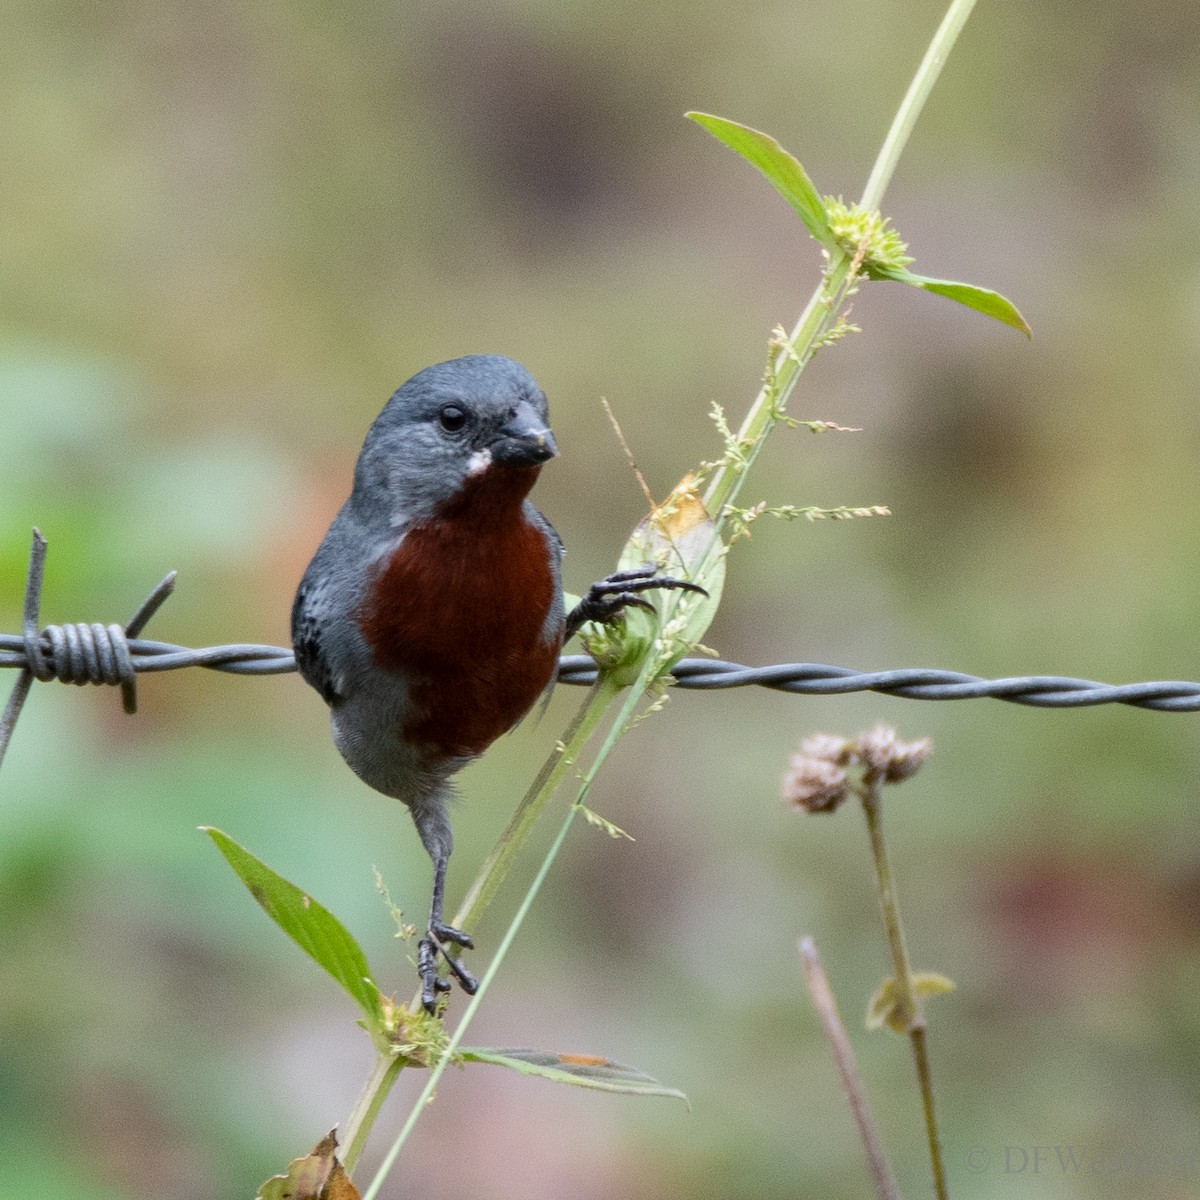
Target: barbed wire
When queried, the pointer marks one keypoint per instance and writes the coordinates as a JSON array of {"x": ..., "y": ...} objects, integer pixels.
[{"x": 84, "y": 653}]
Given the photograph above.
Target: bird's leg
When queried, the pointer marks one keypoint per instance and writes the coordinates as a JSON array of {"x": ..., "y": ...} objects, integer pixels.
[
  {"x": 609, "y": 597},
  {"x": 435, "y": 942}
]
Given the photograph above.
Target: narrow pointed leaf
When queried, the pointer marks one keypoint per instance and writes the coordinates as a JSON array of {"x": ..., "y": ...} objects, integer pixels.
[
  {"x": 310, "y": 925},
  {"x": 582, "y": 1070},
  {"x": 785, "y": 173},
  {"x": 982, "y": 299}
]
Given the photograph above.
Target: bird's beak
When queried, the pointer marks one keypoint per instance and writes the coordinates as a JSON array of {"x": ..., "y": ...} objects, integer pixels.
[{"x": 525, "y": 440}]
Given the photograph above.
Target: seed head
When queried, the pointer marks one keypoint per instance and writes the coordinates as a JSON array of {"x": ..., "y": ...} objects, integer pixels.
[
  {"x": 814, "y": 784},
  {"x": 827, "y": 746},
  {"x": 882, "y": 752}
]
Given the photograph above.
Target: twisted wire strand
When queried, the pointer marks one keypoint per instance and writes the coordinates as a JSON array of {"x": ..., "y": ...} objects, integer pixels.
[
  {"x": 691, "y": 674},
  {"x": 113, "y": 654},
  {"x": 922, "y": 683},
  {"x": 913, "y": 683}
]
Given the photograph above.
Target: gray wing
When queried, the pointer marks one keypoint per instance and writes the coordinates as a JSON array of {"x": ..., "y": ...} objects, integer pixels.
[
  {"x": 309, "y": 614},
  {"x": 554, "y": 544}
]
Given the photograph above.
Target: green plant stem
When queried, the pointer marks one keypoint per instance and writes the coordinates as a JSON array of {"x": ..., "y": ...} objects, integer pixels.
[
  {"x": 907, "y": 1008},
  {"x": 786, "y": 366},
  {"x": 886, "y": 1187},
  {"x": 920, "y": 1051},
  {"x": 487, "y": 881},
  {"x": 358, "y": 1125},
  {"x": 826, "y": 301},
  {"x": 387, "y": 1067},
  {"x": 496, "y": 866},
  {"x": 914, "y": 101},
  {"x": 439, "y": 1068}
]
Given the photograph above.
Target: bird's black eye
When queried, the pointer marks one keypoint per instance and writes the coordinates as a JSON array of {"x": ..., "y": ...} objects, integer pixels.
[{"x": 452, "y": 418}]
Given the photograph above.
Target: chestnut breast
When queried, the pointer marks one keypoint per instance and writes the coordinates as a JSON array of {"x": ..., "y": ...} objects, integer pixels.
[{"x": 460, "y": 609}]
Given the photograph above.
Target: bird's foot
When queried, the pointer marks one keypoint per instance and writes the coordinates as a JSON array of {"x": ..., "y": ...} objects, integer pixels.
[
  {"x": 437, "y": 938},
  {"x": 609, "y": 597}
]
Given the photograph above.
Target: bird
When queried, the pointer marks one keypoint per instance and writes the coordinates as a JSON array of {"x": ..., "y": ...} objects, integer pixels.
[{"x": 431, "y": 616}]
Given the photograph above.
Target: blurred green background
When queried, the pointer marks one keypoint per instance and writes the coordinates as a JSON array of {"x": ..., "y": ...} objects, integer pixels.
[{"x": 228, "y": 232}]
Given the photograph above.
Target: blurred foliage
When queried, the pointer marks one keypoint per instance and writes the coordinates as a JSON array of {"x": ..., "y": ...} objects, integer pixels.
[{"x": 228, "y": 232}]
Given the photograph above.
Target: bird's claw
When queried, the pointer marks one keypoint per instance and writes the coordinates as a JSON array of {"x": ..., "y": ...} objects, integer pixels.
[
  {"x": 607, "y": 598},
  {"x": 434, "y": 943}
]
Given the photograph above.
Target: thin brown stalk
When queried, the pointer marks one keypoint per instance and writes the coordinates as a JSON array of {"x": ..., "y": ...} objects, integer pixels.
[{"x": 823, "y": 1001}]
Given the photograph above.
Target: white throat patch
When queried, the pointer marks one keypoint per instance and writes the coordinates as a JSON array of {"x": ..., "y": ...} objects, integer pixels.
[{"x": 479, "y": 462}]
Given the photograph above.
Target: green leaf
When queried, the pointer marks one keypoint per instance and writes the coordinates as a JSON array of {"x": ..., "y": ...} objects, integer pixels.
[
  {"x": 785, "y": 173},
  {"x": 686, "y": 541},
  {"x": 682, "y": 541},
  {"x": 310, "y": 925},
  {"x": 982, "y": 299},
  {"x": 582, "y": 1070}
]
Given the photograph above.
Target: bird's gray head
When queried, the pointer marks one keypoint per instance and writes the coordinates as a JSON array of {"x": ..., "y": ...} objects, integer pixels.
[{"x": 451, "y": 422}]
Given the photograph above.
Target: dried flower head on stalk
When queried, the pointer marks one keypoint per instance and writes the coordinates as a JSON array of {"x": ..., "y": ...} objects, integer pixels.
[{"x": 817, "y": 778}]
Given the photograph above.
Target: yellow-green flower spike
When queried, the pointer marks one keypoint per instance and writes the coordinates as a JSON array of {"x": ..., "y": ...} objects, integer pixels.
[{"x": 866, "y": 232}]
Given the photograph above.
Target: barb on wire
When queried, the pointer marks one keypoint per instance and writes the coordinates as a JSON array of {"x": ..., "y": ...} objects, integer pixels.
[
  {"x": 80, "y": 653},
  {"x": 113, "y": 654}
]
